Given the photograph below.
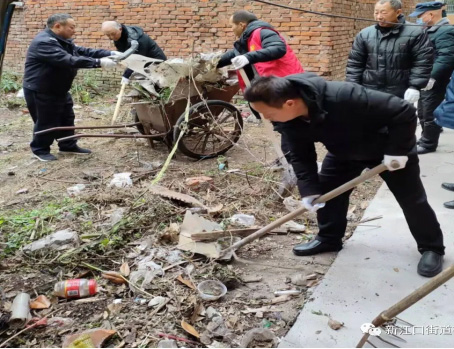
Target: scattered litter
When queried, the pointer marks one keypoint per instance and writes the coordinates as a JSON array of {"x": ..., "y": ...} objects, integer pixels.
[
  {"x": 60, "y": 240},
  {"x": 226, "y": 242},
  {"x": 20, "y": 93},
  {"x": 242, "y": 220},
  {"x": 60, "y": 322},
  {"x": 281, "y": 299},
  {"x": 76, "y": 288},
  {"x": 167, "y": 343},
  {"x": 293, "y": 227},
  {"x": 75, "y": 190},
  {"x": 157, "y": 301},
  {"x": 90, "y": 175},
  {"x": 197, "y": 182},
  {"x": 170, "y": 234},
  {"x": 189, "y": 329},
  {"x": 146, "y": 271},
  {"x": 116, "y": 216},
  {"x": 41, "y": 302},
  {"x": 211, "y": 290},
  {"x": 216, "y": 328},
  {"x": 291, "y": 204},
  {"x": 94, "y": 338},
  {"x": 335, "y": 325},
  {"x": 255, "y": 335},
  {"x": 20, "y": 311},
  {"x": 121, "y": 180},
  {"x": 311, "y": 277},
  {"x": 250, "y": 279},
  {"x": 298, "y": 280},
  {"x": 117, "y": 301},
  {"x": 211, "y": 313},
  {"x": 22, "y": 191},
  {"x": 287, "y": 293}
]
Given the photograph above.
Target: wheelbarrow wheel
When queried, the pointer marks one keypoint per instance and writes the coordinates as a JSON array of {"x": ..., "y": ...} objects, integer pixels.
[{"x": 213, "y": 128}]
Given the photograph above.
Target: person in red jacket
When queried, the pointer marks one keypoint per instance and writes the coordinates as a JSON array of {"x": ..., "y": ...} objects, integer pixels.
[{"x": 260, "y": 50}]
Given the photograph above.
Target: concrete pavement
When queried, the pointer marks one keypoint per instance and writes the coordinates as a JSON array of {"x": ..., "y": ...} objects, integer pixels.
[{"x": 377, "y": 267}]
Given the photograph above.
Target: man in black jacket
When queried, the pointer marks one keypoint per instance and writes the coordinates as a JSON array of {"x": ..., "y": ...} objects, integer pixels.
[
  {"x": 391, "y": 56},
  {"x": 50, "y": 68},
  {"x": 122, "y": 36},
  {"x": 348, "y": 118},
  {"x": 441, "y": 35}
]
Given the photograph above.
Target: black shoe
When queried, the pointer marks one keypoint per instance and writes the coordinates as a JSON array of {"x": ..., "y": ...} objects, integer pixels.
[
  {"x": 422, "y": 150},
  {"x": 76, "y": 150},
  {"x": 315, "y": 247},
  {"x": 448, "y": 186},
  {"x": 449, "y": 204},
  {"x": 430, "y": 264},
  {"x": 45, "y": 157}
]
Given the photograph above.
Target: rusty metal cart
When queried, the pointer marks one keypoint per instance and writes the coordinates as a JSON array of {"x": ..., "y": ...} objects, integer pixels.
[{"x": 214, "y": 124}]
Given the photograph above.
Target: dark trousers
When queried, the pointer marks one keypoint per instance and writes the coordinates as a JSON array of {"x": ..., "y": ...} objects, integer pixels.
[
  {"x": 49, "y": 111},
  {"x": 428, "y": 102},
  {"x": 407, "y": 188}
]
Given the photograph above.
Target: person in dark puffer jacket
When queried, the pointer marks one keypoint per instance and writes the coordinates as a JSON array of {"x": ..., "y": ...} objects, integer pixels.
[
  {"x": 347, "y": 118},
  {"x": 441, "y": 35},
  {"x": 122, "y": 35},
  {"x": 390, "y": 56}
]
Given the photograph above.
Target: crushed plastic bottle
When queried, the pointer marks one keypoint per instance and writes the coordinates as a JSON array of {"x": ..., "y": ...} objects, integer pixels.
[
  {"x": 76, "y": 288},
  {"x": 243, "y": 220}
]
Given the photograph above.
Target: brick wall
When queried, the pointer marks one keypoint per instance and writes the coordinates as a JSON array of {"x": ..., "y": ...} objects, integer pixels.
[{"x": 321, "y": 43}]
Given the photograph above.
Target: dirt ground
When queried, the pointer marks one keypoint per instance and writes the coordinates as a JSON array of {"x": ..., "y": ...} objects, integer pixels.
[{"x": 34, "y": 203}]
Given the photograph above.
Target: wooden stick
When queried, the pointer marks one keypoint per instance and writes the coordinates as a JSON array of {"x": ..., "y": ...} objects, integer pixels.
[
  {"x": 328, "y": 196},
  {"x": 213, "y": 235},
  {"x": 411, "y": 299},
  {"x": 117, "y": 107}
]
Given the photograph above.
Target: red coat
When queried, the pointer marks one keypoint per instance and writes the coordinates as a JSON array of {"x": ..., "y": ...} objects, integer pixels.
[{"x": 286, "y": 65}]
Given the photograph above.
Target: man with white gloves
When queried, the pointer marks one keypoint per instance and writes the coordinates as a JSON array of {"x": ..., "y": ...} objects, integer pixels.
[
  {"x": 349, "y": 120},
  {"x": 391, "y": 56},
  {"x": 50, "y": 67}
]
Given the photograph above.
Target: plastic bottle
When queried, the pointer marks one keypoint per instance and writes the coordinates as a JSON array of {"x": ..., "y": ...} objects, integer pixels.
[{"x": 76, "y": 288}]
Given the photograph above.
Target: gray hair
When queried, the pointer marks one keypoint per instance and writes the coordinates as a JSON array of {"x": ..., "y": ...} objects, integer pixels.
[
  {"x": 395, "y": 4},
  {"x": 111, "y": 24},
  {"x": 57, "y": 18}
]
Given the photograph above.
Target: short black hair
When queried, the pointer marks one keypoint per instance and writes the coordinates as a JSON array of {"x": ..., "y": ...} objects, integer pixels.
[
  {"x": 243, "y": 16},
  {"x": 57, "y": 18},
  {"x": 271, "y": 90}
]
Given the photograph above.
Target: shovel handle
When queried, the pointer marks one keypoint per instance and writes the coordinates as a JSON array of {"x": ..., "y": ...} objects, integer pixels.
[{"x": 328, "y": 196}]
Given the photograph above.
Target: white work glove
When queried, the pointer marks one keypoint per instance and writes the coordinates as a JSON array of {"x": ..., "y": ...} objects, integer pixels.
[
  {"x": 393, "y": 162},
  {"x": 115, "y": 53},
  {"x": 411, "y": 95},
  {"x": 307, "y": 203},
  {"x": 239, "y": 62},
  {"x": 107, "y": 63},
  {"x": 124, "y": 81},
  {"x": 430, "y": 85}
]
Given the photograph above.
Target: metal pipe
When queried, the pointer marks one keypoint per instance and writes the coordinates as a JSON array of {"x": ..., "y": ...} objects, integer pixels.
[
  {"x": 85, "y": 135},
  {"x": 65, "y": 128}
]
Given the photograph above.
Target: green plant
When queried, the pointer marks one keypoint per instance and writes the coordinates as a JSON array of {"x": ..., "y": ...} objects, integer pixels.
[
  {"x": 17, "y": 227},
  {"x": 10, "y": 82},
  {"x": 84, "y": 88}
]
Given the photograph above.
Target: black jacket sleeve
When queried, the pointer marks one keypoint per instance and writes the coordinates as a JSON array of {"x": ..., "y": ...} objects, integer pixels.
[
  {"x": 226, "y": 59},
  {"x": 51, "y": 52},
  {"x": 444, "y": 62},
  {"x": 154, "y": 51},
  {"x": 90, "y": 52},
  {"x": 357, "y": 59},
  {"x": 301, "y": 155},
  {"x": 272, "y": 48},
  {"x": 382, "y": 110},
  {"x": 423, "y": 57}
]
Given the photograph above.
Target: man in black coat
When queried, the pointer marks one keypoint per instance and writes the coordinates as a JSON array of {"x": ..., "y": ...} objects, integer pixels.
[
  {"x": 122, "y": 36},
  {"x": 391, "y": 56},
  {"x": 441, "y": 34},
  {"x": 50, "y": 67},
  {"x": 348, "y": 119}
]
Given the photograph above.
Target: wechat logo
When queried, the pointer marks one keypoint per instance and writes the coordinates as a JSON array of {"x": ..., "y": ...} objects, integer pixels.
[{"x": 371, "y": 329}]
